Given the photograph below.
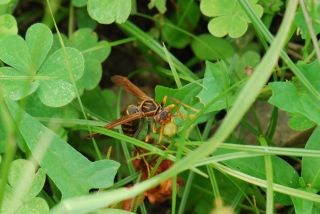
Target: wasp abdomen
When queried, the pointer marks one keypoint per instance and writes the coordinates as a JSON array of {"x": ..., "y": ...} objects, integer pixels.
[{"x": 131, "y": 128}]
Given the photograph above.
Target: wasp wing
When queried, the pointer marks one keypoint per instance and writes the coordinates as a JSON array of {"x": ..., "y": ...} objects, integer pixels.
[
  {"x": 129, "y": 87},
  {"x": 125, "y": 119}
]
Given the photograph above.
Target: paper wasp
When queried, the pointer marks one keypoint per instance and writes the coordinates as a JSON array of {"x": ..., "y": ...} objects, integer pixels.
[
  {"x": 147, "y": 109},
  {"x": 132, "y": 122}
]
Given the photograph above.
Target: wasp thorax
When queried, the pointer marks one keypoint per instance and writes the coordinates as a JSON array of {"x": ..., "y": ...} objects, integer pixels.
[
  {"x": 149, "y": 106},
  {"x": 131, "y": 109}
]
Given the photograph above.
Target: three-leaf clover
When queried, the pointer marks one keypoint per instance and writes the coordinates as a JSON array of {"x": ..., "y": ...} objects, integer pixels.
[
  {"x": 228, "y": 17},
  {"x": 94, "y": 53},
  {"x": 109, "y": 11},
  {"x": 29, "y": 203},
  {"x": 32, "y": 70},
  {"x": 8, "y": 25}
]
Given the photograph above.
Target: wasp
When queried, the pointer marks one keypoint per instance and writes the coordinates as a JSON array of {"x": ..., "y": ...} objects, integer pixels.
[
  {"x": 147, "y": 109},
  {"x": 133, "y": 127}
]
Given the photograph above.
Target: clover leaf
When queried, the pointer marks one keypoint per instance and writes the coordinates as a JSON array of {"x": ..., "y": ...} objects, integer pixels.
[
  {"x": 173, "y": 35},
  {"x": 7, "y": 6},
  {"x": 248, "y": 59},
  {"x": 159, "y": 4},
  {"x": 79, "y": 3},
  {"x": 33, "y": 70},
  {"x": 94, "y": 53},
  {"x": 8, "y": 25},
  {"x": 4, "y": 1},
  {"x": 208, "y": 47},
  {"x": 109, "y": 11},
  {"x": 29, "y": 200},
  {"x": 228, "y": 17},
  {"x": 296, "y": 99}
]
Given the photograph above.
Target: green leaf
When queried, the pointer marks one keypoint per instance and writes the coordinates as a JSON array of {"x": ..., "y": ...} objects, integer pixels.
[
  {"x": 159, "y": 4},
  {"x": 56, "y": 93},
  {"x": 231, "y": 190},
  {"x": 15, "y": 53},
  {"x": 249, "y": 59},
  {"x": 100, "y": 103},
  {"x": 39, "y": 41},
  {"x": 34, "y": 69},
  {"x": 313, "y": 11},
  {"x": 33, "y": 105},
  {"x": 8, "y": 25},
  {"x": 3, "y": 139},
  {"x": 4, "y": 1},
  {"x": 283, "y": 173},
  {"x": 109, "y": 11},
  {"x": 208, "y": 47},
  {"x": 86, "y": 41},
  {"x": 229, "y": 17},
  {"x": 174, "y": 37},
  {"x": 8, "y": 7},
  {"x": 271, "y": 6},
  {"x": 17, "y": 170},
  {"x": 186, "y": 94},
  {"x": 34, "y": 206},
  {"x": 83, "y": 39},
  {"x": 79, "y": 3},
  {"x": 294, "y": 98},
  {"x": 29, "y": 199},
  {"x": 92, "y": 75},
  {"x": 61, "y": 62},
  {"x": 84, "y": 20},
  {"x": 61, "y": 162},
  {"x": 303, "y": 206},
  {"x": 94, "y": 53},
  {"x": 311, "y": 165},
  {"x": 300, "y": 123},
  {"x": 57, "y": 89},
  {"x": 216, "y": 84},
  {"x": 15, "y": 84},
  {"x": 186, "y": 19},
  {"x": 56, "y": 42}
]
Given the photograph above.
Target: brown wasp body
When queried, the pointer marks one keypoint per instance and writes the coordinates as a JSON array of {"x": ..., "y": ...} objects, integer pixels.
[
  {"x": 147, "y": 108},
  {"x": 132, "y": 128}
]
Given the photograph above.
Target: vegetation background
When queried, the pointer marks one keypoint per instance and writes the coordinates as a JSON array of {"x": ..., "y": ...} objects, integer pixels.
[{"x": 246, "y": 77}]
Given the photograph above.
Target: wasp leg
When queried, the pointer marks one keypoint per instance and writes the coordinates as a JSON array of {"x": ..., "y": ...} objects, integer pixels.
[
  {"x": 163, "y": 101},
  {"x": 181, "y": 103},
  {"x": 147, "y": 139},
  {"x": 145, "y": 162},
  {"x": 161, "y": 134},
  {"x": 147, "y": 166},
  {"x": 140, "y": 126}
]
